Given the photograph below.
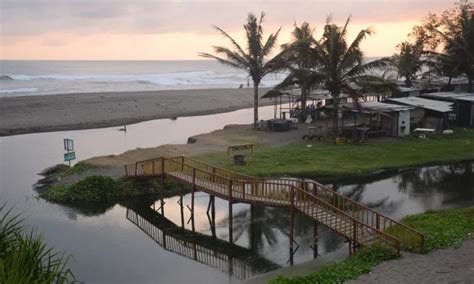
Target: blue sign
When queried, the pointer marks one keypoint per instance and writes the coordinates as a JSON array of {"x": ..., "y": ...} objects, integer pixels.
[{"x": 69, "y": 156}]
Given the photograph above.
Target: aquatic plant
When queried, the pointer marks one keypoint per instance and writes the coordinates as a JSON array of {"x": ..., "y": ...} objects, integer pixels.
[
  {"x": 92, "y": 188},
  {"x": 442, "y": 229},
  {"x": 25, "y": 257},
  {"x": 360, "y": 263}
]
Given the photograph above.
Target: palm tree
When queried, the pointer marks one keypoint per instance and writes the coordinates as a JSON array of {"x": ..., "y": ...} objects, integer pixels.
[
  {"x": 299, "y": 61},
  {"x": 340, "y": 68},
  {"x": 253, "y": 59},
  {"x": 408, "y": 63}
]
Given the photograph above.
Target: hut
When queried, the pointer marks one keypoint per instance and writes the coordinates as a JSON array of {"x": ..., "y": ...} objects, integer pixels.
[
  {"x": 463, "y": 106},
  {"x": 379, "y": 119},
  {"x": 427, "y": 113}
]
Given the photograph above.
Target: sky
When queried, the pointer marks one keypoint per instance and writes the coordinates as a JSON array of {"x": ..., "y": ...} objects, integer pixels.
[{"x": 174, "y": 30}]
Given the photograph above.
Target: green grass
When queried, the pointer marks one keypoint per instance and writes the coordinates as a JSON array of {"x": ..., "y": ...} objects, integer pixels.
[
  {"x": 360, "y": 263},
  {"x": 325, "y": 158},
  {"x": 75, "y": 170},
  {"x": 25, "y": 258},
  {"x": 442, "y": 229}
]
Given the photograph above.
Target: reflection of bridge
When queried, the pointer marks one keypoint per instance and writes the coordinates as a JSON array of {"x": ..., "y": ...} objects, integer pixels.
[
  {"x": 237, "y": 261},
  {"x": 360, "y": 225}
]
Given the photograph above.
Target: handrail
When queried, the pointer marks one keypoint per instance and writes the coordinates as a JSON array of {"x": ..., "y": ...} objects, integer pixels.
[
  {"x": 344, "y": 206},
  {"x": 352, "y": 219}
]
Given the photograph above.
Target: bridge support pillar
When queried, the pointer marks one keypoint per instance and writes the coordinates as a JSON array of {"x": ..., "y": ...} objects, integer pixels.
[
  {"x": 231, "y": 238},
  {"x": 212, "y": 216},
  {"x": 315, "y": 240},
  {"x": 181, "y": 205},
  {"x": 292, "y": 217},
  {"x": 162, "y": 186}
]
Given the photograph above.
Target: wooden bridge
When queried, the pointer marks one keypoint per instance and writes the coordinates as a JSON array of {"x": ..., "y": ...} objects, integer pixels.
[
  {"x": 360, "y": 225},
  {"x": 236, "y": 261}
]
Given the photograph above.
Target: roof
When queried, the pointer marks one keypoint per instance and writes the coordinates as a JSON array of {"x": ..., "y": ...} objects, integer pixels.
[
  {"x": 452, "y": 96},
  {"x": 438, "y": 106},
  {"x": 379, "y": 107}
]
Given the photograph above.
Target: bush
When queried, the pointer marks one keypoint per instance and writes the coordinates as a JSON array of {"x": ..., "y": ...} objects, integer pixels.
[{"x": 92, "y": 188}]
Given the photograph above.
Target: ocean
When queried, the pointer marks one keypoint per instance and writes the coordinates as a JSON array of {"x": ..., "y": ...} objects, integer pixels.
[{"x": 20, "y": 78}]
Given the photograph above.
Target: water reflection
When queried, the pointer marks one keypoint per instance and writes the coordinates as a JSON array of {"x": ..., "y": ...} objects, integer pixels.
[{"x": 417, "y": 190}]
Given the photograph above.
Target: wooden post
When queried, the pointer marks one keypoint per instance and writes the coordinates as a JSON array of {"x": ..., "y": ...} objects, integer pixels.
[
  {"x": 162, "y": 185},
  {"x": 292, "y": 216},
  {"x": 182, "y": 163},
  {"x": 213, "y": 216},
  {"x": 354, "y": 236},
  {"x": 230, "y": 212},
  {"x": 315, "y": 240},
  {"x": 192, "y": 199},
  {"x": 377, "y": 221},
  {"x": 181, "y": 205}
]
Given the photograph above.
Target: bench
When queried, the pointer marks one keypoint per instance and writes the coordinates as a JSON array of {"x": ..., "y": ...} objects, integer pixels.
[{"x": 239, "y": 147}]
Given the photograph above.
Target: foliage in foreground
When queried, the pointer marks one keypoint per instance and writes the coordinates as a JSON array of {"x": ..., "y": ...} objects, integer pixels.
[
  {"x": 25, "y": 258},
  {"x": 325, "y": 158},
  {"x": 360, "y": 263},
  {"x": 442, "y": 229}
]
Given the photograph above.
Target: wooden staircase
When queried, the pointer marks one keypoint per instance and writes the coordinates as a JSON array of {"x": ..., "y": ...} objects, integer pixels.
[{"x": 360, "y": 225}]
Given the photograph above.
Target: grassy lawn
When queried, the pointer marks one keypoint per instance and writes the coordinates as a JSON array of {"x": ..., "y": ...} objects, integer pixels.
[
  {"x": 443, "y": 229},
  {"x": 325, "y": 158}
]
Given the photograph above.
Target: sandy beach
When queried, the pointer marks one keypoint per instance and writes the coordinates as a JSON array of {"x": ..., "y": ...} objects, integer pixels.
[{"x": 29, "y": 114}]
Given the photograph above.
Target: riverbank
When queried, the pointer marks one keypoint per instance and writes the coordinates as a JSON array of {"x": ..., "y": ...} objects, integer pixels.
[
  {"x": 449, "y": 234},
  {"x": 30, "y": 114},
  {"x": 284, "y": 153}
]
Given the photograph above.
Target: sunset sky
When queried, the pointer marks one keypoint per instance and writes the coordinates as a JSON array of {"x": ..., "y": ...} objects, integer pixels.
[{"x": 147, "y": 30}]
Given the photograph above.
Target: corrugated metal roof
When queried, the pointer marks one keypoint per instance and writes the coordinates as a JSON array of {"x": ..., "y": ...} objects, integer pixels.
[
  {"x": 451, "y": 96},
  {"x": 379, "y": 107},
  {"x": 438, "y": 106}
]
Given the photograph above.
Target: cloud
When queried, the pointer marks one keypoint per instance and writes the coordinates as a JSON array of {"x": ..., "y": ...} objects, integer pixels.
[{"x": 36, "y": 17}]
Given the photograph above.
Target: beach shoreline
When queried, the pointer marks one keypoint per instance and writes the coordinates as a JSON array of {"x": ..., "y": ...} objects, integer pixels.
[{"x": 32, "y": 114}]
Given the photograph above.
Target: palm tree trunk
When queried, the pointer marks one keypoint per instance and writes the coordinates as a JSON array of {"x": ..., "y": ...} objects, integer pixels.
[
  {"x": 335, "y": 119},
  {"x": 255, "y": 103}
]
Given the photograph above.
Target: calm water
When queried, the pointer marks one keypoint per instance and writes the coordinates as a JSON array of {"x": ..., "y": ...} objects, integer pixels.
[{"x": 130, "y": 243}]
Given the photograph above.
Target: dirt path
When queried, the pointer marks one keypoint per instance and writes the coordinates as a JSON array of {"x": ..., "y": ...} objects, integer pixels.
[{"x": 441, "y": 266}]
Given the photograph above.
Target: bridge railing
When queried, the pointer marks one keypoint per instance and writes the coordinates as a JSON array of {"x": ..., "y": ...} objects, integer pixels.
[
  {"x": 359, "y": 211},
  {"x": 362, "y": 233},
  {"x": 269, "y": 190}
]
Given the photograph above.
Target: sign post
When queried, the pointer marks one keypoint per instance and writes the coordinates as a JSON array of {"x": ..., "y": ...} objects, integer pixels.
[{"x": 69, "y": 147}]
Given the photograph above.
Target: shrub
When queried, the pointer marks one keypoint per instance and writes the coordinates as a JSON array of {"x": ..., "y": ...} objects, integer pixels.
[{"x": 92, "y": 188}]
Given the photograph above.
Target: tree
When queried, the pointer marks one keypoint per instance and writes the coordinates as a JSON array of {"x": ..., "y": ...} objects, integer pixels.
[
  {"x": 253, "y": 59},
  {"x": 450, "y": 37},
  {"x": 298, "y": 59},
  {"x": 408, "y": 63},
  {"x": 340, "y": 68}
]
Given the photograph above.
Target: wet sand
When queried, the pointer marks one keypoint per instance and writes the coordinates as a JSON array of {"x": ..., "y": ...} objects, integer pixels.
[{"x": 29, "y": 114}]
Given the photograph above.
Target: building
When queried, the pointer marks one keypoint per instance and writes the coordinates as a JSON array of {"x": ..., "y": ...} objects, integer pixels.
[
  {"x": 427, "y": 113},
  {"x": 463, "y": 106}
]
